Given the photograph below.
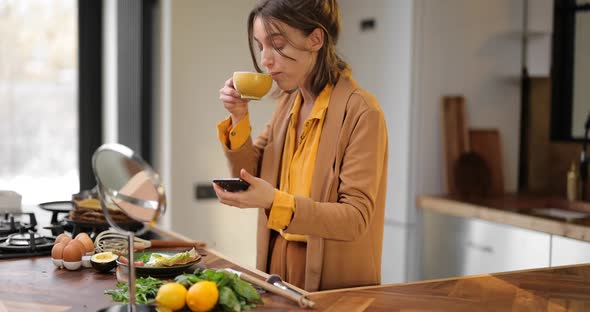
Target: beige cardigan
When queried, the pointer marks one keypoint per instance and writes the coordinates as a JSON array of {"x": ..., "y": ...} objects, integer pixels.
[{"x": 345, "y": 214}]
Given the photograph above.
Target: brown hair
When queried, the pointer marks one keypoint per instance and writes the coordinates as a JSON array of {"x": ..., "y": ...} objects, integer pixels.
[{"x": 305, "y": 15}]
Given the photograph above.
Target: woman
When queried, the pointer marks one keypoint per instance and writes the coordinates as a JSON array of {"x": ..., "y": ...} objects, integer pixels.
[{"x": 318, "y": 171}]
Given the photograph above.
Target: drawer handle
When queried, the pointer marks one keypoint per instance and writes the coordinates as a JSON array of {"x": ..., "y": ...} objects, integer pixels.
[{"x": 482, "y": 248}]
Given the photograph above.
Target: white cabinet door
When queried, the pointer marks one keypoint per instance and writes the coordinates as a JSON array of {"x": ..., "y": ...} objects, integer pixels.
[
  {"x": 565, "y": 251},
  {"x": 443, "y": 241},
  {"x": 492, "y": 247},
  {"x": 454, "y": 246}
]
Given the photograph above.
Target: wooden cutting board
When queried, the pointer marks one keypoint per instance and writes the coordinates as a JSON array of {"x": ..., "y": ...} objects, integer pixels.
[
  {"x": 455, "y": 137},
  {"x": 472, "y": 176},
  {"x": 486, "y": 143}
]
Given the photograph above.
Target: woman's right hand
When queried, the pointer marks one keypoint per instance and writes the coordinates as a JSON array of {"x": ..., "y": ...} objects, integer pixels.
[{"x": 235, "y": 105}]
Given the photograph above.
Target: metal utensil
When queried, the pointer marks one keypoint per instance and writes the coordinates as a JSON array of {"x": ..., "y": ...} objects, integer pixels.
[
  {"x": 278, "y": 281},
  {"x": 110, "y": 240},
  {"x": 282, "y": 290}
]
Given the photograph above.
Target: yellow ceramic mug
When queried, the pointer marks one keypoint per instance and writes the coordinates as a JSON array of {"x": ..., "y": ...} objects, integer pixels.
[{"x": 251, "y": 85}]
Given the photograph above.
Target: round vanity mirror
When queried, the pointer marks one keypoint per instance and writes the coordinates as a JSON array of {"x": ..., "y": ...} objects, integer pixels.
[{"x": 128, "y": 185}]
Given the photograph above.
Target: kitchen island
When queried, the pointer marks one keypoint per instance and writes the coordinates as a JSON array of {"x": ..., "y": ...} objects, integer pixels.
[
  {"x": 35, "y": 284},
  {"x": 523, "y": 211},
  {"x": 464, "y": 236}
]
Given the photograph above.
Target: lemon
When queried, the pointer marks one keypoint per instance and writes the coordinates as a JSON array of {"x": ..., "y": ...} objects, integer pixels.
[
  {"x": 172, "y": 296},
  {"x": 202, "y": 296},
  {"x": 163, "y": 309}
]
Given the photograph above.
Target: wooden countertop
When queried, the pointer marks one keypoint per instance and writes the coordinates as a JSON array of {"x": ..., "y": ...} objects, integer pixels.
[
  {"x": 554, "y": 289},
  {"x": 516, "y": 210},
  {"x": 34, "y": 284}
]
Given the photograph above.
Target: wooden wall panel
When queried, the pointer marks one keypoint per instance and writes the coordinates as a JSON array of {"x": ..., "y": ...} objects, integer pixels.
[{"x": 548, "y": 161}]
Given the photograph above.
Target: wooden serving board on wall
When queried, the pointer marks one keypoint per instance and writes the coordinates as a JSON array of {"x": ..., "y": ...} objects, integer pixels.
[
  {"x": 486, "y": 143},
  {"x": 455, "y": 137}
]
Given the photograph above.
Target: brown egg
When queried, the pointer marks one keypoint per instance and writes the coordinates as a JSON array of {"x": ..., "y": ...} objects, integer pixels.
[
  {"x": 57, "y": 251},
  {"x": 78, "y": 244},
  {"x": 72, "y": 253},
  {"x": 86, "y": 240},
  {"x": 65, "y": 240},
  {"x": 82, "y": 234},
  {"x": 61, "y": 237}
]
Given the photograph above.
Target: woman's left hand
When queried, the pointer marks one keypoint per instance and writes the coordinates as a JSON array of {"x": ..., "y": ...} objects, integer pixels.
[{"x": 260, "y": 194}]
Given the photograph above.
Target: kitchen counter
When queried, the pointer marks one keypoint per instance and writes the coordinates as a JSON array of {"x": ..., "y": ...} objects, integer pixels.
[
  {"x": 554, "y": 289},
  {"x": 516, "y": 210},
  {"x": 34, "y": 284}
]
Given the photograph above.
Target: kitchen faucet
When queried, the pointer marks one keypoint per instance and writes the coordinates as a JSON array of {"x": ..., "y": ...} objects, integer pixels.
[{"x": 584, "y": 160}]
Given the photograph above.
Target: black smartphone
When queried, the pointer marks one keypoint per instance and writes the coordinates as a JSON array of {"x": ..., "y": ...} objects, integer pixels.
[{"x": 232, "y": 184}]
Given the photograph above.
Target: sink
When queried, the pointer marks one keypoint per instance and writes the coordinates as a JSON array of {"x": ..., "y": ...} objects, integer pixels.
[
  {"x": 557, "y": 209},
  {"x": 557, "y": 213}
]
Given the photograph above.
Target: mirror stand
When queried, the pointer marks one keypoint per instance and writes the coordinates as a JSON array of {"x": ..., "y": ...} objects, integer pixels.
[
  {"x": 132, "y": 306},
  {"x": 126, "y": 182},
  {"x": 131, "y": 270}
]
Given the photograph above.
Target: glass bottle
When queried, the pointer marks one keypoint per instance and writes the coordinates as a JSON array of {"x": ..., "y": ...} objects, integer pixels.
[{"x": 572, "y": 183}]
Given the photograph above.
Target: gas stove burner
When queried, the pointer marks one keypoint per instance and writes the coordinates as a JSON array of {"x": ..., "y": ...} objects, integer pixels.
[
  {"x": 25, "y": 239},
  {"x": 26, "y": 242},
  {"x": 13, "y": 222}
]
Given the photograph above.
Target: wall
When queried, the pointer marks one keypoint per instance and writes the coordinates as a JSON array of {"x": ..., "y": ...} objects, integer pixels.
[
  {"x": 208, "y": 42},
  {"x": 381, "y": 62},
  {"x": 466, "y": 47},
  {"x": 201, "y": 62},
  {"x": 196, "y": 109},
  {"x": 419, "y": 51},
  {"x": 463, "y": 47},
  {"x": 382, "y": 65}
]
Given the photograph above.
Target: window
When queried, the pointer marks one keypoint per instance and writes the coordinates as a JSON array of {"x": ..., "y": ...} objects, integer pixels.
[{"x": 38, "y": 99}]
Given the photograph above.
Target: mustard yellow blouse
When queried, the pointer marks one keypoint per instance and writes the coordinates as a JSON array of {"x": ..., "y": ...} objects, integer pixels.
[{"x": 298, "y": 161}]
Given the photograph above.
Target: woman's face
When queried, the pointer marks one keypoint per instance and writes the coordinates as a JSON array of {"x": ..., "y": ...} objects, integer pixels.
[{"x": 289, "y": 74}]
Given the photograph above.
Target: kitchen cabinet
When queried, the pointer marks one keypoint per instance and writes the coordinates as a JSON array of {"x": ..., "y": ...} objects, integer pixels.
[
  {"x": 444, "y": 238},
  {"x": 492, "y": 247},
  {"x": 566, "y": 251},
  {"x": 457, "y": 246}
]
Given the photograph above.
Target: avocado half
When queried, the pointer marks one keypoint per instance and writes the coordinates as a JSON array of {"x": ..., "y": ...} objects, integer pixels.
[{"x": 104, "y": 261}]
